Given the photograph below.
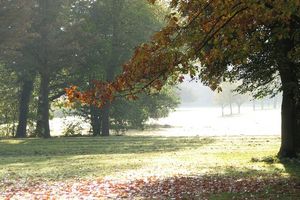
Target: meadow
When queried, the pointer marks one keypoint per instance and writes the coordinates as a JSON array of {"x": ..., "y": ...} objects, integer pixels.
[{"x": 146, "y": 167}]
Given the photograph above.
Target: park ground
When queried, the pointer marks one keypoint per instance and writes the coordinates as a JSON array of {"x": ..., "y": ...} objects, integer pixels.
[{"x": 147, "y": 167}]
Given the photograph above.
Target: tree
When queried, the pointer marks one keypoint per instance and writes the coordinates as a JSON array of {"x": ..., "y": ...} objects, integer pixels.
[
  {"x": 229, "y": 96},
  {"x": 8, "y": 101},
  {"x": 133, "y": 114},
  {"x": 24, "y": 101},
  {"x": 14, "y": 15},
  {"x": 256, "y": 42},
  {"x": 128, "y": 114},
  {"x": 14, "y": 24},
  {"x": 240, "y": 99},
  {"x": 226, "y": 97},
  {"x": 109, "y": 31},
  {"x": 50, "y": 51}
]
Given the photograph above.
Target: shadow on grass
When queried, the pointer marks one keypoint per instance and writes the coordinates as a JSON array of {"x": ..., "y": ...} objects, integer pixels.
[
  {"x": 291, "y": 166},
  {"x": 225, "y": 186},
  {"x": 60, "y": 158},
  {"x": 95, "y": 146}
]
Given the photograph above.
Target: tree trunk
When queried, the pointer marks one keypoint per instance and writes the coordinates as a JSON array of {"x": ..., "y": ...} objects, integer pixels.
[
  {"x": 114, "y": 63},
  {"x": 290, "y": 88},
  {"x": 105, "y": 120},
  {"x": 297, "y": 143},
  {"x": 254, "y": 106},
  {"x": 230, "y": 106},
  {"x": 26, "y": 91},
  {"x": 95, "y": 120},
  {"x": 239, "y": 108},
  {"x": 42, "y": 127},
  {"x": 288, "y": 126}
]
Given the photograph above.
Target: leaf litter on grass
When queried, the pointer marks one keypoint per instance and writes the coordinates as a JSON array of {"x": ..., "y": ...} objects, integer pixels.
[{"x": 152, "y": 188}]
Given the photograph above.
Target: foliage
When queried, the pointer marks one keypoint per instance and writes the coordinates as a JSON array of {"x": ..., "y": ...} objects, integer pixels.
[
  {"x": 14, "y": 21},
  {"x": 228, "y": 96},
  {"x": 8, "y": 101},
  {"x": 103, "y": 54},
  {"x": 229, "y": 40},
  {"x": 67, "y": 42},
  {"x": 256, "y": 42},
  {"x": 134, "y": 114},
  {"x": 73, "y": 129},
  {"x": 108, "y": 33}
]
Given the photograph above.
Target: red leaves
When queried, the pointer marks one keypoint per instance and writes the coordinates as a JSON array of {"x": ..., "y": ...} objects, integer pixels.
[
  {"x": 152, "y": 1},
  {"x": 181, "y": 79},
  {"x": 149, "y": 188},
  {"x": 98, "y": 95}
]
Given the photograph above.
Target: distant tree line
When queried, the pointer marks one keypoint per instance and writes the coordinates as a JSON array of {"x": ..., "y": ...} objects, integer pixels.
[
  {"x": 46, "y": 46},
  {"x": 230, "y": 97}
]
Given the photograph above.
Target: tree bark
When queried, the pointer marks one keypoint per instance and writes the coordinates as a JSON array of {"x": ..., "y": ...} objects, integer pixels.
[
  {"x": 290, "y": 87},
  {"x": 26, "y": 92},
  {"x": 288, "y": 126},
  {"x": 42, "y": 126},
  {"x": 116, "y": 8},
  {"x": 105, "y": 120},
  {"x": 297, "y": 143},
  {"x": 95, "y": 120}
]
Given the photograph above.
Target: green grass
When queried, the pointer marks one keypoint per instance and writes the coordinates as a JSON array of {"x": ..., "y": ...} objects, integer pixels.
[
  {"x": 140, "y": 156},
  {"x": 270, "y": 195}
]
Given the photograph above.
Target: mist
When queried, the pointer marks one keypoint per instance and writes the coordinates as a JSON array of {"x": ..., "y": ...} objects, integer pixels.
[{"x": 256, "y": 117}]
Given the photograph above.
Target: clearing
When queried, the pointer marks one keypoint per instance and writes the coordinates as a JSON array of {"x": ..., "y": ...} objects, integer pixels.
[{"x": 147, "y": 167}]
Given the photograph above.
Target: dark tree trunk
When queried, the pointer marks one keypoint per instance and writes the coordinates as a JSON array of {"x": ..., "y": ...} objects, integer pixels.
[
  {"x": 105, "y": 120},
  {"x": 114, "y": 63},
  {"x": 95, "y": 120},
  {"x": 298, "y": 128},
  {"x": 26, "y": 91},
  {"x": 42, "y": 125},
  {"x": 290, "y": 87},
  {"x": 288, "y": 126}
]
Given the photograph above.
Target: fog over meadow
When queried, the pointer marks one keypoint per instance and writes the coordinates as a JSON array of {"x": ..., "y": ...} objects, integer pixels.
[{"x": 199, "y": 114}]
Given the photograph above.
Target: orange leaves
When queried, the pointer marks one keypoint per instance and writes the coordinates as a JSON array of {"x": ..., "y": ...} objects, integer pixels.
[
  {"x": 215, "y": 33},
  {"x": 181, "y": 79},
  {"x": 97, "y": 95},
  {"x": 174, "y": 187},
  {"x": 132, "y": 97},
  {"x": 72, "y": 94},
  {"x": 152, "y": 1}
]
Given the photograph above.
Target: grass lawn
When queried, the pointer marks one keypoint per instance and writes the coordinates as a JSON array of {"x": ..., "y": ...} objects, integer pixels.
[{"x": 226, "y": 164}]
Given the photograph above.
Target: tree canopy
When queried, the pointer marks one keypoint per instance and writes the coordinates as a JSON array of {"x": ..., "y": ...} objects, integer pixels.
[
  {"x": 48, "y": 45},
  {"x": 256, "y": 42}
]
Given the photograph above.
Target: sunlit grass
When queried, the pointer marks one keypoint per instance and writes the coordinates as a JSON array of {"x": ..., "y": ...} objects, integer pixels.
[{"x": 136, "y": 156}]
